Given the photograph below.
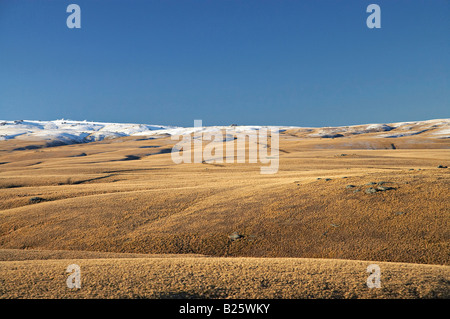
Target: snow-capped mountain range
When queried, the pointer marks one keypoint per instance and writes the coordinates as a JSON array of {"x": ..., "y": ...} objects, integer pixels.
[{"x": 70, "y": 132}]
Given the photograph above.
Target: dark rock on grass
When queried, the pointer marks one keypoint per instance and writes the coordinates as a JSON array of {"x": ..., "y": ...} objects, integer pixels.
[
  {"x": 235, "y": 236},
  {"x": 319, "y": 178},
  {"x": 400, "y": 213},
  {"x": 371, "y": 190},
  {"x": 442, "y": 166},
  {"x": 328, "y": 179},
  {"x": 371, "y": 183},
  {"x": 350, "y": 186},
  {"x": 35, "y": 200},
  {"x": 80, "y": 155},
  {"x": 356, "y": 190},
  {"x": 382, "y": 183}
]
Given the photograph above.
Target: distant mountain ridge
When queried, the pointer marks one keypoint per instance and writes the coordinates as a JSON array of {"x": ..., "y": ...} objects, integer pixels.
[{"x": 70, "y": 132}]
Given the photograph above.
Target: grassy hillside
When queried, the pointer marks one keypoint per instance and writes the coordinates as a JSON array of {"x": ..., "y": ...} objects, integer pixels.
[
  {"x": 316, "y": 206},
  {"x": 209, "y": 277},
  {"x": 333, "y": 207}
]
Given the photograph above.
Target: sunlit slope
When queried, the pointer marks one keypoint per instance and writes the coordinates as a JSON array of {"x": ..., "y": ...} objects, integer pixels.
[
  {"x": 126, "y": 195},
  {"x": 207, "y": 277}
]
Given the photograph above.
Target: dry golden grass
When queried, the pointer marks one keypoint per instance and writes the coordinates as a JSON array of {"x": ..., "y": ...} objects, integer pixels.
[
  {"x": 212, "y": 277},
  {"x": 33, "y": 254},
  {"x": 102, "y": 203}
]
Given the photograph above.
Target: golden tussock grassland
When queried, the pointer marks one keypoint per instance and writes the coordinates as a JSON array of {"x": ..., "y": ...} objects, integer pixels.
[{"x": 308, "y": 231}]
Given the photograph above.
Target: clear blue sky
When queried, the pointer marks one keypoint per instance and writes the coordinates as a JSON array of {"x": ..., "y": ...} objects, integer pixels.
[{"x": 261, "y": 62}]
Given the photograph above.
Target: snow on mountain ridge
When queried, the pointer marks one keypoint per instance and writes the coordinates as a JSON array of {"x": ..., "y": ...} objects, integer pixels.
[{"x": 69, "y": 132}]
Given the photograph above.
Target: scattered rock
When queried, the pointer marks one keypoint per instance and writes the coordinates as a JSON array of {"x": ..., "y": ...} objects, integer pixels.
[
  {"x": 318, "y": 178},
  {"x": 400, "y": 213},
  {"x": 356, "y": 190},
  {"x": 382, "y": 183},
  {"x": 371, "y": 190},
  {"x": 80, "y": 155},
  {"x": 442, "y": 166},
  {"x": 371, "y": 183},
  {"x": 35, "y": 200},
  {"x": 384, "y": 188},
  {"x": 328, "y": 179},
  {"x": 350, "y": 186},
  {"x": 235, "y": 236}
]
